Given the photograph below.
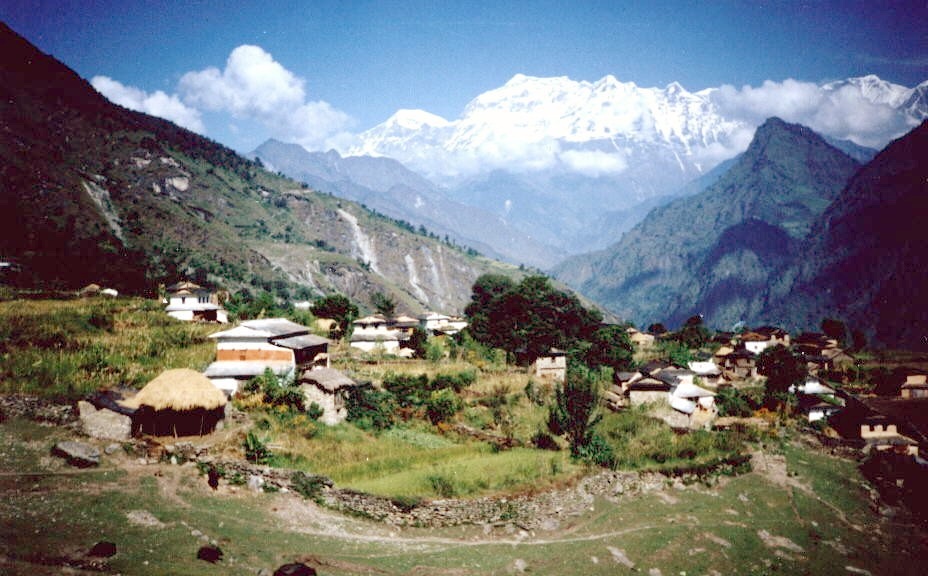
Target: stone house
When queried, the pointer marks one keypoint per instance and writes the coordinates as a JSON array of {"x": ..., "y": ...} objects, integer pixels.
[
  {"x": 915, "y": 385},
  {"x": 328, "y": 388},
  {"x": 552, "y": 366}
]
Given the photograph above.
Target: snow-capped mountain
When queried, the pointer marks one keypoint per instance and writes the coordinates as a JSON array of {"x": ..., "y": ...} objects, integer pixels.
[
  {"x": 552, "y": 156},
  {"x": 531, "y": 124}
]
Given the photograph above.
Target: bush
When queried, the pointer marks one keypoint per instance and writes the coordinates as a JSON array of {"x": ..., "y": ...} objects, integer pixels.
[
  {"x": 409, "y": 391},
  {"x": 314, "y": 411},
  {"x": 442, "y": 485},
  {"x": 597, "y": 451},
  {"x": 256, "y": 450},
  {"x": 456, "y": 382},
  {"x": 442, "y": 405},
  {"x": 308, "y": 486},
  {"x": 544, "y": 441},
  {"x": 371, "y": 409},
  {"x": 734, "y": 402}
]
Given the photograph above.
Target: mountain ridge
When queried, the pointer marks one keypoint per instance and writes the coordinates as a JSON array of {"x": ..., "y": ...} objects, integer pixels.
[
  {"x": 786, "y": 177},
  {"x": 387, "y": 186},
  {"x": 93, "y": 192}
]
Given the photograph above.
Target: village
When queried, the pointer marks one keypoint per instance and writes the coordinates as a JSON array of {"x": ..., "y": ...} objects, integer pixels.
[
  {"x": 697, "y": 395},
  {"x": 255, "y": 418}
]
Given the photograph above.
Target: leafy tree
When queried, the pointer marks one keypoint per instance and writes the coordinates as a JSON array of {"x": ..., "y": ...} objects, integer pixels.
[
  {"x": 336, "y": 307},
  {"x": 529, "y": 318},
  {"x": 782, "y": 369},
  {"x": 835, "y": 329},
  {"x": 657, "y": 328},
  {"x": 383, "y": 304},
  {"x": 576, "y": 408},
  {"x": 417, "y": 342},
  {"x": 442, "y": 405},
  {"x": 693, "y": 334},
  {"x": 370, "y": 408},
  {"x": 610, "y": 347},
  {"x": 676, "y": 353}
]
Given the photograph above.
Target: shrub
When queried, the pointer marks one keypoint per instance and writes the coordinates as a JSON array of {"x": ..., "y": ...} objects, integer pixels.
[
  {"x": 409, "y": 391},
  {"x": 314, "y": 411},
  {"x": 256, "y": 450},
  {"x": 544, "y": 441},
  {"x": 371, "y": 409},
  {"x": 442, "y": 405},
  {"x": 308, "y": 486},
  {"x": 597, "y": 451},
  {"x": 456, "y": 382},
  {"x": 442, "y": 485}
]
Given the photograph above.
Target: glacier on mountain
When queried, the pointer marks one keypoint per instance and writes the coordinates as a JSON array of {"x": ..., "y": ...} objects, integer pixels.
[{"x": 535, "y": 124}]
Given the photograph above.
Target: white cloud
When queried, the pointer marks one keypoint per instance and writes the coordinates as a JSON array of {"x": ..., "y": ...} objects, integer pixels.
[
  {"x": 593, "y": 162},
  {"x": 254, "y": 85},
  {"x": 842, "y": 112},
  {"x": 157, "y": 103}
]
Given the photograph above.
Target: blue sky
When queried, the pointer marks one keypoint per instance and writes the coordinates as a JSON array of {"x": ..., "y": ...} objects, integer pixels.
[{"x": 365, "y": 60}]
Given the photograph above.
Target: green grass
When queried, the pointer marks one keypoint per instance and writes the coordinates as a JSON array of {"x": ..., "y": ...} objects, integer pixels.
[
  {"x": 73, "y": 347},
  {"x": 407, "y": 462},
  {"x": 693, "y": 530},
  {"x": 641, "y": 442}
]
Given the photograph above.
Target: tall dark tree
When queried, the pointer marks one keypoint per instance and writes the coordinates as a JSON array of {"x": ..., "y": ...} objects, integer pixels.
[
  {"x": 609, "y": 346},
  {"x": 835, "y": 329},
  {"x": 782, "y": 369},
  {"x": 529, "y": 318},
  {"x": 693, "y": 334},
  {"x": 336, "y": 307},
  {"x": 383, "y": 304},
  {"x": 576, "y": 408}
]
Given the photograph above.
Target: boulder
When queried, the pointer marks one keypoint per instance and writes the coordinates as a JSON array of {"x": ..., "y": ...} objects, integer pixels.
[
  {"x": 77, "y": 453},
  {"x": 104, "y": 424},
  {"x": 211, "y": 554},
  {"x": 295, "y": 569},
  {"x": 102, "y": 549},
  {"x": 255, "y": 483}
]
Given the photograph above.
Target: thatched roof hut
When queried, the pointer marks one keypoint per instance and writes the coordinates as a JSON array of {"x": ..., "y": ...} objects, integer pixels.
[{"x": 181, "y": 402}]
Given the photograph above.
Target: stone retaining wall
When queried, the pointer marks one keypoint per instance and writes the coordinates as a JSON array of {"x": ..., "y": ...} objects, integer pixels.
[{"x": 545, "y": 510}]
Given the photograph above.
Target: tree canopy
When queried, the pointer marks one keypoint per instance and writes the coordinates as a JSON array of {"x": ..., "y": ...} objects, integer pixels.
[
  {"x": 529, "y": 318},
  {"x": 336, "y": 307},
  {"x": 782, "y": 368}
]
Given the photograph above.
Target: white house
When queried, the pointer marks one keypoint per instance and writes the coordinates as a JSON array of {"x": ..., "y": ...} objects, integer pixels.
[
  {"x": 190, "y": 302},
  {"x": 247, "y": 350},
  {"x": 756, "y": 343},
  {"x": 441, "y": 324}
]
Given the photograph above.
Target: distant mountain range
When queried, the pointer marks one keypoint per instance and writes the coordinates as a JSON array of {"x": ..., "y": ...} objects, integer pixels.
[
  {"x": 554, "y": 157},
  {"x": 794, "y": 231},
  {"x": 385, "y": 185},
  {"x": 92, "y": 192}
]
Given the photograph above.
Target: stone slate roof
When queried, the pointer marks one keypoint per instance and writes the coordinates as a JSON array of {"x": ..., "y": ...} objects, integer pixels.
[{"x": 328, "y": 379}]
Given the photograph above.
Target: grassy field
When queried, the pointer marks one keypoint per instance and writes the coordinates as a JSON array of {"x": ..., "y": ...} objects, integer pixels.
[
  {"x": 72, "y": 347},
  {"x": 799, "y": 512}
]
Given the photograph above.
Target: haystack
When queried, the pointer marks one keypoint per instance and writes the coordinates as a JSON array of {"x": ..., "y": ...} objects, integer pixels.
[{"x": 181, "y": 402}]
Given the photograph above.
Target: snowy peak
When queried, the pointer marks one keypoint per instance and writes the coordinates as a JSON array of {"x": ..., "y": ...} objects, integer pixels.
[
  {"x": 415, "y": 120},
  {"x": 536, "y": 124},
  {"x": 874, "y": 89}
]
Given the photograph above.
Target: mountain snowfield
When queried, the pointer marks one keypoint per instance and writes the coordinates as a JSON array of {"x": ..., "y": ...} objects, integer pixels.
[
  {"x": 574, "y": 164},
  {"x": 596, "y": 128}
]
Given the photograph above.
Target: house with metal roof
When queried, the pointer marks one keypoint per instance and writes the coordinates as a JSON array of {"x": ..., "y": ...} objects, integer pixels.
[{"x": 250, "y": 348}]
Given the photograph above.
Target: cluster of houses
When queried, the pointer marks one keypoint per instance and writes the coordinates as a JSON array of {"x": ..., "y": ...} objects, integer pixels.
[
  {"x": 392, "y": 335},
  {"x": 290, "y": 350},
  {"x": 733, "y": 363}
]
